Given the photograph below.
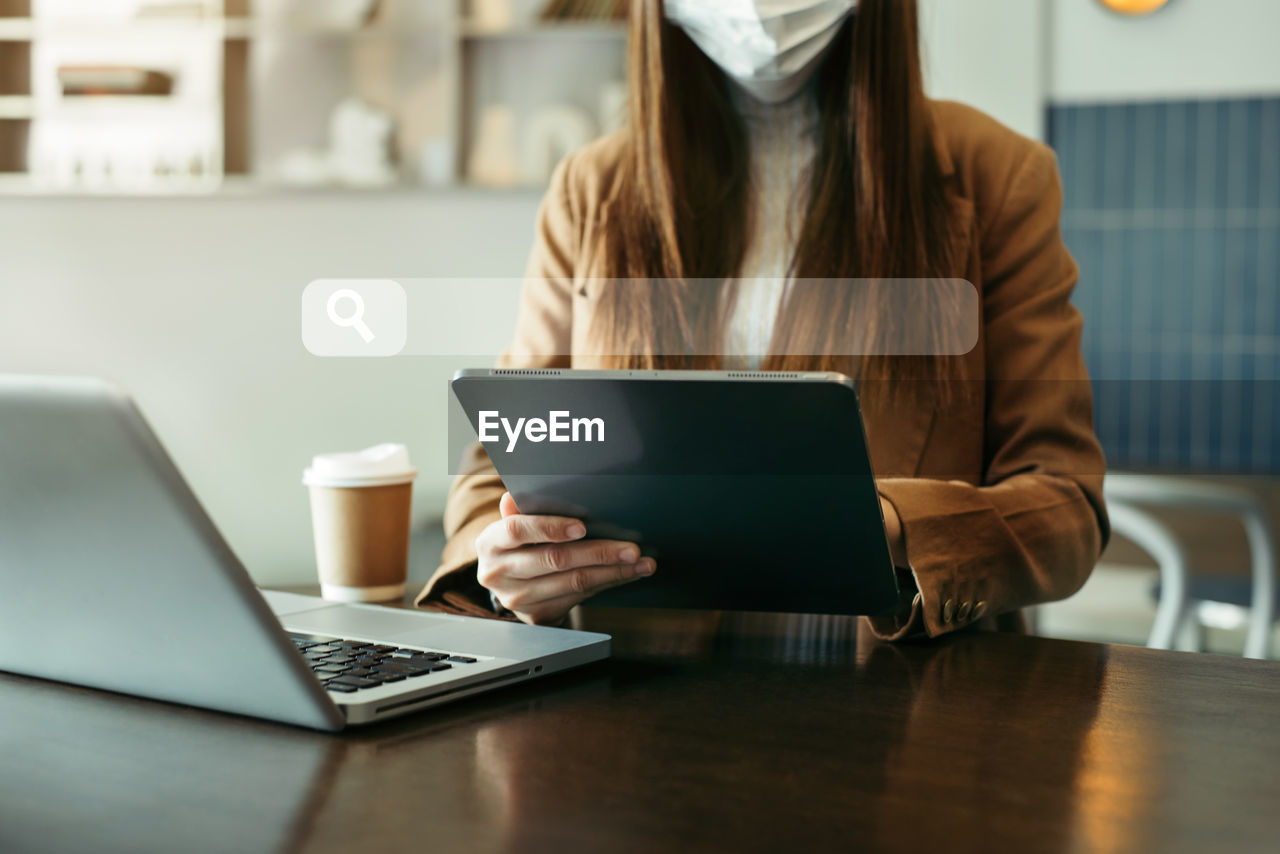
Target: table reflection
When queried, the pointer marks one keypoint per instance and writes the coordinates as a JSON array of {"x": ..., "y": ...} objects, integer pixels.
[{"x": 705, "y": 727}]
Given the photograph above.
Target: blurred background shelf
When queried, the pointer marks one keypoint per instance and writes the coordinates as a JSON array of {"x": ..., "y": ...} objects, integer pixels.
[
  {"x": 28, "y": 29},
  {"x": 381, "y": 95}
]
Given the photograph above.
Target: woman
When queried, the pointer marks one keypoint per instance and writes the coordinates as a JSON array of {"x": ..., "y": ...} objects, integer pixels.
[{"x": 793, "y": 137}]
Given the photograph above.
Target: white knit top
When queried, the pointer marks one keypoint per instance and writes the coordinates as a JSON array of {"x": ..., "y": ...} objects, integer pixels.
[{"x": 782, "y": 139}]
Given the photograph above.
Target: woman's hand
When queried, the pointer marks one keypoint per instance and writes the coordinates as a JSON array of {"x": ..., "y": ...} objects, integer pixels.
[{"x": 539, "y": 566}]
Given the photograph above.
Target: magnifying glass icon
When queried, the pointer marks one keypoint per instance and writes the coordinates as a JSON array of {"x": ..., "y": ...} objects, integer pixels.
[{"x": 353, "y": 320}]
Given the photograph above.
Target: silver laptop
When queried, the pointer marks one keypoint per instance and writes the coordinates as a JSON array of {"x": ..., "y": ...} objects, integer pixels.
[{"x": 112, "y": 576}]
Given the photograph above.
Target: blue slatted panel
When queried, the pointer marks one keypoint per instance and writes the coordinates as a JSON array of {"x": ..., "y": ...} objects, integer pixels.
[{"x": 1172, "y": 211}]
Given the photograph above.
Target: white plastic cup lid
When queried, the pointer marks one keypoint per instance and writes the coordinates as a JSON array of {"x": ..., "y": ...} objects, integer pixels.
[{"x": 381, "y": 465}]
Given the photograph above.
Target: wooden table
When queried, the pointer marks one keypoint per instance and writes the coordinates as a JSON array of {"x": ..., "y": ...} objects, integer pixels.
[{"x": 706, "y": 731}]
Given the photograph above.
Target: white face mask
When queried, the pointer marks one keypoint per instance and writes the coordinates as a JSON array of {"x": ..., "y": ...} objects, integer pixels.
[{"x": 770, "y": 47}]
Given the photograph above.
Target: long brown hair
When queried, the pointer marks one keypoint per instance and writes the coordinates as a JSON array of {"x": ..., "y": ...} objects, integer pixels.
[{"x": 682, "y": 209}]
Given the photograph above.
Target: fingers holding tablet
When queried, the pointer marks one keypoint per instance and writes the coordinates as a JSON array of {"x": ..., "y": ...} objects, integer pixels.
[
  {"x": 539, "y": 567},
  {"x": 540, "y": 560},
  {"x": 515, "y": 530}
]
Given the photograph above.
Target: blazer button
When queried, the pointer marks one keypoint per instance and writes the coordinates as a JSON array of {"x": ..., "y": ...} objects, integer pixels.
[
  {"x": 979, "y": 610},
  {"x": 948, "y": 610},
  {"x": 962, "y": 613}
]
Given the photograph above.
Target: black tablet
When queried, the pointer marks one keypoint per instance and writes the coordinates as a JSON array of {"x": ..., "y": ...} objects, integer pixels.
[{"x": 752, "y": 490}]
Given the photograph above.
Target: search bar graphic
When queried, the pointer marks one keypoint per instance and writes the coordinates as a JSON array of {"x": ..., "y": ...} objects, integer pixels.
[
  {"x": 416, "y": 317},
  {"x": 355, "y": 320},
  {"x": 475, "y": 318},
  {"x": 354, "y": 317}
]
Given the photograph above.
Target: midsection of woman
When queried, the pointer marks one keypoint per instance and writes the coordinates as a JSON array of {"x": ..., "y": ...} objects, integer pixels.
[{"x": 988, "y": 468}]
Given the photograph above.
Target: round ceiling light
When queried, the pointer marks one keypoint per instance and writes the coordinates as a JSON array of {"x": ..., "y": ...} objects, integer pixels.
[{"x": 1134, "y": 7}]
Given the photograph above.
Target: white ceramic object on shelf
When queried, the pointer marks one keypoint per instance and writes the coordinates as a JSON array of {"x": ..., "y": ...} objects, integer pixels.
[
  {"x": 358, "y": 154},
  {"x": 360, "y": 145}
]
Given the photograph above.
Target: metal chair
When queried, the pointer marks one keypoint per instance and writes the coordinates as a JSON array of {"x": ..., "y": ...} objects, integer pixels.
[
  {"x": 1180, "y": 594},
  {"x": 1176, "y": 390}
]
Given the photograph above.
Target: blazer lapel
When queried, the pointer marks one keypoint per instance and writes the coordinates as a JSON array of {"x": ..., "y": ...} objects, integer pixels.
[{"x": 899, "y": 424}]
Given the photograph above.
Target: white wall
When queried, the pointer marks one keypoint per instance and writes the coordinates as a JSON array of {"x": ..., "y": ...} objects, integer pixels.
[
  {"x": 1189, "y": 49},
  {"x": 193, "y": 304},
  {"x": 991, "y": 54},
  {"x": 1010, "y": 57}
]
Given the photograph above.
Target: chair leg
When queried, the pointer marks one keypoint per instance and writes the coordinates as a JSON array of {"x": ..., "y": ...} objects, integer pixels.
[
  {"x": 1123, "y": 490},
  {"x": 1154, "y": 537},
  {"x": 1191, "y": 634},
  {"x": 1263, "y": 609}
]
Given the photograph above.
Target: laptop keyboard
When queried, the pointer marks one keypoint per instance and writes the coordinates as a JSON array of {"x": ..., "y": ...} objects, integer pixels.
[{"x": 347, "y": 666}]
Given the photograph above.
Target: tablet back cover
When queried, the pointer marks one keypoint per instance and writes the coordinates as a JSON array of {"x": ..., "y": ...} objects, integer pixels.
[{"x": 751, "y": 491}]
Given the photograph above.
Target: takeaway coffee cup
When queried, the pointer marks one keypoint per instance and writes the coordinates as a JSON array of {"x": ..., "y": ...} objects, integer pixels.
[{"x": 360, "y": 507}]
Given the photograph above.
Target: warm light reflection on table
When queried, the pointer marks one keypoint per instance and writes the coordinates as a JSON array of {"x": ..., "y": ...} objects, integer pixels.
[{"x": 706, "y": 730}]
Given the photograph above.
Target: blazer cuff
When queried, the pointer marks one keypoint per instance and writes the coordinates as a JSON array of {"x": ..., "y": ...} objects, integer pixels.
[
  {"x": 936, "y": 540},
  {"x": 454, "y": 589},
  {"x": 906, "y": 622}
]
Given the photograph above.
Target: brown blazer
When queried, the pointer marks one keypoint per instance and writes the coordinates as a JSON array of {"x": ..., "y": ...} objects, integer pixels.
[{"x": 999, "y": 488}]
